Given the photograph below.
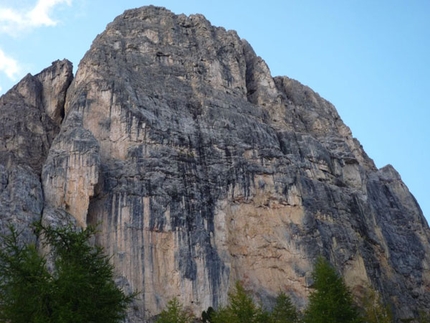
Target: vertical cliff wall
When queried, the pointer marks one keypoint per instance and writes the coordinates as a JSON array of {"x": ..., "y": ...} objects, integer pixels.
[
  {"x": 203, "y": 169},
  {"x": 30, "y": 117}
]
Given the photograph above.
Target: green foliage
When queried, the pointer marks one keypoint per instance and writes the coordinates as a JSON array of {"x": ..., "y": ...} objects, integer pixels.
[
  {"x": 174, "y": 313},
  {"x": 284, "y": 310},
  {"x": 79, "y": 288},
  {"x": 240, "y": 309},
  {"x": 424, "y": 316},
  {"x": 24, "y": 282},
  {"x": 331, "y": 301},
  {"x": 374, "y": 310}
]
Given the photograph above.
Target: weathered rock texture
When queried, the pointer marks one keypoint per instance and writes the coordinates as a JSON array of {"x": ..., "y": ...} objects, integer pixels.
[
  {"x": 203, "y": 169},
  {"x": 30, "y": 116}
]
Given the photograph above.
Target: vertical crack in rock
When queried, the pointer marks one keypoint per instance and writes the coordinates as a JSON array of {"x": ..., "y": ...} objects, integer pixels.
[{"x": 72, "y": 169}]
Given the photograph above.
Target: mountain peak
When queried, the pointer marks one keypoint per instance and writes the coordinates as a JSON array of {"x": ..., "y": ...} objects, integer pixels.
[{"x": 203, "y": 169}]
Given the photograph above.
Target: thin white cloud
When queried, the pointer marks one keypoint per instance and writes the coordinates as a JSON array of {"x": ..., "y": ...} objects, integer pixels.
[
  {"x": 9, "y": 66},
  {"x": 13, "y": 21}
]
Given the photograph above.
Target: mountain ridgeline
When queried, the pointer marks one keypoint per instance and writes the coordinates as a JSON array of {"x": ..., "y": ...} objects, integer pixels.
[{"x": 202, "y": 169}]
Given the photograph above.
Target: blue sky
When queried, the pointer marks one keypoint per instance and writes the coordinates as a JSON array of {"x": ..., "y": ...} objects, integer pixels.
[{"x": 371, "y": 59}]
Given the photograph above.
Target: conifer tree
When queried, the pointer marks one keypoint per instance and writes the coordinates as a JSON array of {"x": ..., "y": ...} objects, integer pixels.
[
  {"x": 240, "y": 309},
  {"x": 25, "y": 284},
  {"x": 284, "y": 310},
  {"x": 79, "y": 288},
  {"x": 374, "y": 309},
  {"x": 174, "y": 313},
  {"x": 331, "y": 301}
]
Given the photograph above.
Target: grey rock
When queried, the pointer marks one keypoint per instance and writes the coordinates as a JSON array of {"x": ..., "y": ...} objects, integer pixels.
[
  {"x": 203, "y": 169},
  {"x": 31, "y": 114},
  {"x": 30, "y": 119}
]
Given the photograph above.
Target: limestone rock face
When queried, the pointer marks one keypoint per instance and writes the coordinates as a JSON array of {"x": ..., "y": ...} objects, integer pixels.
[
  {"x": 30, "y": 118},
  {"x": 203, "y": 169},
  {"x": 72, "y": 170}
]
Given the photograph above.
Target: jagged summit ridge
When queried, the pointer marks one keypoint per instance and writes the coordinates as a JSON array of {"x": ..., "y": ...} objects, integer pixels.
[
  {"x": 204, "y": 169},
  {"x": 30, "y": 119}
]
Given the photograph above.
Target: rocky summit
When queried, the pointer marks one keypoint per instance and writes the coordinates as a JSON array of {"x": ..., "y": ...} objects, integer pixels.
[{"x": 202, "y": 169}]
